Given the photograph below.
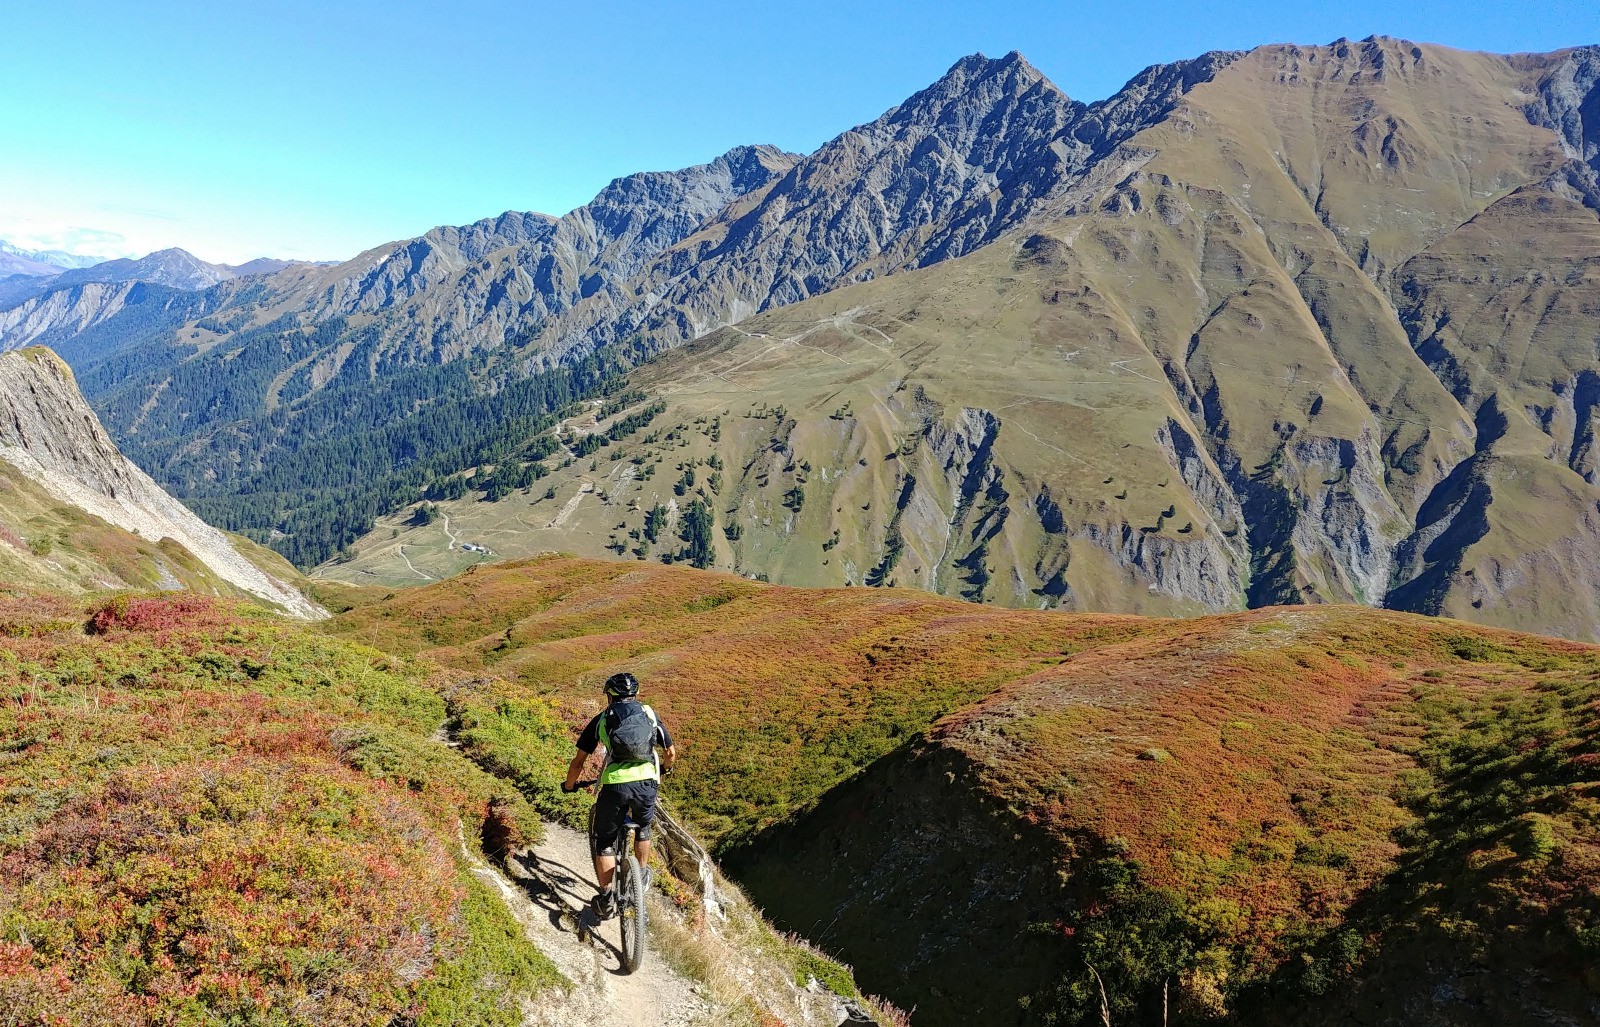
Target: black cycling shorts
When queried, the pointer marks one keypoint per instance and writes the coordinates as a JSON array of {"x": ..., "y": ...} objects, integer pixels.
[{"x": 636, "y": 799}]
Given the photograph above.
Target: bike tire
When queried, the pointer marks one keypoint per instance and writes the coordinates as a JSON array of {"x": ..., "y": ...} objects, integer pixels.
[{"x": 631, "y": 912}]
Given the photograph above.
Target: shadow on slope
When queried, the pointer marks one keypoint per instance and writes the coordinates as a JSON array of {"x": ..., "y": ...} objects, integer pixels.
[{"x": 917, "y": 880}]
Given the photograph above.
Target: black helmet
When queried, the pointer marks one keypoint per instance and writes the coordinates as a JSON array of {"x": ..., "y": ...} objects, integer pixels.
[{"x": 622, "y": 686}]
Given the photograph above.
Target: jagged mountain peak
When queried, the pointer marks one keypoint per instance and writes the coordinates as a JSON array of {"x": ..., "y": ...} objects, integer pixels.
[
  {"x": 468, "y": 243},
  {"x": 752, "y": 162},
  {"x": 499, "y": 261},
  {"x": 978, "y": 65},
  {"x": 977, "y": 82},
  {"x": 172, "y": 253}
]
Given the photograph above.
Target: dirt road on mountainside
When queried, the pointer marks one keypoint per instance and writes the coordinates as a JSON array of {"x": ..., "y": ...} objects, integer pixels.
[{"x": 551, "y": 901}]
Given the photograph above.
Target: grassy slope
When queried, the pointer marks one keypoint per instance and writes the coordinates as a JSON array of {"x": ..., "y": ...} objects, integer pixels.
[
  {"x": 208, "y": 813},
  {"x": 1260, "y": 808},
  {"x": 1386, "y": 795},
  {"x": 774, "y": 695}
]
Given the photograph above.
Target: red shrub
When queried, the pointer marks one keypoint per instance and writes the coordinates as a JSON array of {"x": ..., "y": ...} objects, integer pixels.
[{"x": 161, "y": 613}]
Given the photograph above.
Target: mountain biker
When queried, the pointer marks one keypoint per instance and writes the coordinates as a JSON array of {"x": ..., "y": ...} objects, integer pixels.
[{"x": 628, "y": 786}]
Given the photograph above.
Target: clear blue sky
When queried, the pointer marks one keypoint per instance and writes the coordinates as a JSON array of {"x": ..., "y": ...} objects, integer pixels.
[{"x": 317, "y": 129}]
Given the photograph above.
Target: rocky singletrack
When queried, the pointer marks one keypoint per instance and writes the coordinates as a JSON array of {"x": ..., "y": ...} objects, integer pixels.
[{"x": 548, "y": 889}]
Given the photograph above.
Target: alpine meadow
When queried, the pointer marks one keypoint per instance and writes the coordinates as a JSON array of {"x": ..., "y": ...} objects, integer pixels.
[{"x": 1117, "y": 563}]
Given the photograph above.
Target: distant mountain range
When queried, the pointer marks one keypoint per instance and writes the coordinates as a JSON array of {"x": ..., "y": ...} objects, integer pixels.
[
  {"x": 1305, "y": 323},
  {"x": 48, "y": 306},
  {"x": 19, "y": 260}
]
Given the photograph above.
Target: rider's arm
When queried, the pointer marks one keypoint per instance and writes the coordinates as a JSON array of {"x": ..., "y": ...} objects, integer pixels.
[
  {"x": 588, "y": 742},
  {"x": 575, "y": 770},
  {"x": 663, "y": 742}
]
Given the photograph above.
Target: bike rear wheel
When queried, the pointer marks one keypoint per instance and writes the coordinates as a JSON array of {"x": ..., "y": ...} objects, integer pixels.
[{"x": 631, "y": 910}]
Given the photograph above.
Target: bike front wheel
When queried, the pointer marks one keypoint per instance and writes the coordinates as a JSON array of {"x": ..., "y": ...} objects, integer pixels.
[{"x": 631, "y": 910}]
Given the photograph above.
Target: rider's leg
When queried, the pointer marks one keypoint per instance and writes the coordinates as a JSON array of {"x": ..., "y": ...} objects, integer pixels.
[
  {"x": 605, "y": 869},
  {"x": 647, "y": 816},
  {"x": 607, "y": 818}
]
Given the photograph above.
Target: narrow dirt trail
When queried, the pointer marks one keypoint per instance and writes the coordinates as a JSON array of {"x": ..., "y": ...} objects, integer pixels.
[
  {"x": 401, "y": 549},
  {"x": 550, "y": 896}
]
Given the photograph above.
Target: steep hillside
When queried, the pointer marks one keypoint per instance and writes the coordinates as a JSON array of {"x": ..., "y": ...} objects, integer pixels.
[
  {"x": 1322, "y": 812},
  {"x": 1320, "y": 332},
  {"x": 213, "y": 814},
  {"x": 76, "y": 514},
  {"x": 1335, "y": 812},
  {"x": 67, "y": 318}
]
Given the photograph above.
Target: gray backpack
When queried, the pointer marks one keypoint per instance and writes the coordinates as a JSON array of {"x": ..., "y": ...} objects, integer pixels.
[{"x": 630, "y": 733}]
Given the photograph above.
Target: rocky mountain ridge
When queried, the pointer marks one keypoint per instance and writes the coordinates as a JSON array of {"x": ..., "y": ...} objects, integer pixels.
[
  {"x": 1238, "y": 371},
  {"x": 632, "y": 270}
]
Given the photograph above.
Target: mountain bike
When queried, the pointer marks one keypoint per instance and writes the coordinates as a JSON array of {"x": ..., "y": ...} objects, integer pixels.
[{"x": 628, "y": 886}]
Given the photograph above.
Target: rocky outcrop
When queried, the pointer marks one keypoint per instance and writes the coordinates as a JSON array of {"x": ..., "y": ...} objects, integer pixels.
[
  {"x": 1568, "y": 103},
  {"x": 63, "y": 312},
  {"x": 51, "y": 435},
  {"x": 1349, "y": 525}
]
